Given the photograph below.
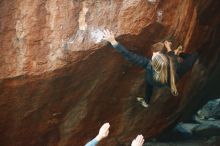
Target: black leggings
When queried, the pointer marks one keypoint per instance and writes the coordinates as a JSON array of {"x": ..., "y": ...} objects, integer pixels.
[{"x": 187, "y": 64}]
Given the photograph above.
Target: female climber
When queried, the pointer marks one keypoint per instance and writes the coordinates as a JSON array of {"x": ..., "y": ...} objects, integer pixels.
[{"x": 161, "y": 69}]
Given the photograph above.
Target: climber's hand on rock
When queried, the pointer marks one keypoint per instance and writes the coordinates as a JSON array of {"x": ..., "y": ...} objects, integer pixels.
[
  {"x": 167, "y": 44},
  {"x": 138, "y": 141},
  {"x": 109, "y": 36},
  {"x": 103, "y": 132}
]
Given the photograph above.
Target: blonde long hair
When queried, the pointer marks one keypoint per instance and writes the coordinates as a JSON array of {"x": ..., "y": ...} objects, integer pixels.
[{"x": 160, "y": 64}]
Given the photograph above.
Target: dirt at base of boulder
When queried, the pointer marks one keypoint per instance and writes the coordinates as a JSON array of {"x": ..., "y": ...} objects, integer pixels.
[{"x": 214, "y": 141}]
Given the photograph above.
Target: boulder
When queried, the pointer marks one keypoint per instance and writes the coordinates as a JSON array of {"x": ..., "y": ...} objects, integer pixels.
[{"x": 211, "y": 110}]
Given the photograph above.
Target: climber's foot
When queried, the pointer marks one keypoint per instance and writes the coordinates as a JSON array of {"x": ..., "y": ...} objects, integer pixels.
[{"x": 142, "y": 102}]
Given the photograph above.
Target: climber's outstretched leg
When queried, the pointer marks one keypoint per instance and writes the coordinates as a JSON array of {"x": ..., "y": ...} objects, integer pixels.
[
  {"x": 187, "y": 63},
  {"x": 185, "y": 60},
  {"x": 148, "y": 94}
]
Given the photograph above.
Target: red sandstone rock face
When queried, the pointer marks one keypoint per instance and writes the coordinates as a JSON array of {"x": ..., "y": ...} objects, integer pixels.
[{"x": 59, "y": 82}]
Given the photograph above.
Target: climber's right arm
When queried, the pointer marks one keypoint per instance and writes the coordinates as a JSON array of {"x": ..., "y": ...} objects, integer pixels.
[{"x": 130, "y": 56}]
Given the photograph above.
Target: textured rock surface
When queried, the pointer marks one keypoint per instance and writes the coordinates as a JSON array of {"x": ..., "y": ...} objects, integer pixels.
[
  {"x": 210, "y": 110},
  {"x": 59, "y": 83}
]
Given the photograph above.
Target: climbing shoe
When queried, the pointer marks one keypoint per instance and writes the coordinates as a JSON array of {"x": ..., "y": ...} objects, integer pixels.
[{"x": 142, "y": 102}]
